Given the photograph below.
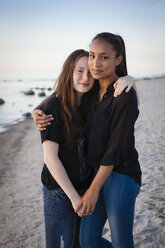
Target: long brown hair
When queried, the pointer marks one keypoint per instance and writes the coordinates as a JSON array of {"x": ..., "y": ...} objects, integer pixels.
[{"x": 67, "y": 95}]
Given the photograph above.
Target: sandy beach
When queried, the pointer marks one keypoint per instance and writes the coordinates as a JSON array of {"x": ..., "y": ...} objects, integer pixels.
[{"x": 21, "y": 160}]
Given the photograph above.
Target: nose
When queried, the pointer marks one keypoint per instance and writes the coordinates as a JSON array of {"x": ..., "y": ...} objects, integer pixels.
[
  {"x": 85, "y": 76},
  {"x": 96, "y": 62}
]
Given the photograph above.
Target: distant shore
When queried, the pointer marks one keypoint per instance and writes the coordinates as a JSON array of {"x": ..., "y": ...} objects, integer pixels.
[
  {"x": 21, "y": 160},
  {"x": 136, "y": 76}
]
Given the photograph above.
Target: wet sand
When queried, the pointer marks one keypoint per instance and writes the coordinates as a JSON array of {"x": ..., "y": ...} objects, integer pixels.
[{"x": 21, "y": 159}]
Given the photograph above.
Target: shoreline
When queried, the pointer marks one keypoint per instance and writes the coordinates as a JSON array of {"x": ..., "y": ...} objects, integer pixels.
[
  {"x": 21, "y": 161},
  {"x": 7, "y": 127},
  {"x": 21, "y": 215}
]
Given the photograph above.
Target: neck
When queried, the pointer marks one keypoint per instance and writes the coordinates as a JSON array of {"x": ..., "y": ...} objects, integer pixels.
[
  {"x": 106, "y": 81},
  {"x": 104, "y": 84},
  {"x": 78, "y": 98}
]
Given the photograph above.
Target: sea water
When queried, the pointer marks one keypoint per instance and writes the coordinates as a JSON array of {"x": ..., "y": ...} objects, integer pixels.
[{"x": 16, "y": 102}]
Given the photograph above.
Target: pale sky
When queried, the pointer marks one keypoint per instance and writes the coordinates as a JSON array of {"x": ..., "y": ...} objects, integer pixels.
[{"x": 36, "y": 36}]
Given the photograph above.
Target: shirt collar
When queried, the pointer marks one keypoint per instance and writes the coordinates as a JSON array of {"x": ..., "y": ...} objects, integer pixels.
[{"x": 110, "y": 88}]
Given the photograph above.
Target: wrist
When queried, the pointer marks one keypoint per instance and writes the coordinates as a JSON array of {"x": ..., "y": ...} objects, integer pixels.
[
  {"x": 74, "y": 197},
  {"x": 95, "y": 188}
]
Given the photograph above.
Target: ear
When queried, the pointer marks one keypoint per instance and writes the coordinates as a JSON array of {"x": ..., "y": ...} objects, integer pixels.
[{"x": 119, "y": 60}]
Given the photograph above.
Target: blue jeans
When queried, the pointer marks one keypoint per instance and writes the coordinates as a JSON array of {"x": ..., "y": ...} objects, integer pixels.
[
  {"x": 116, "y": 202},
  {"x": 61, "y": 223}
]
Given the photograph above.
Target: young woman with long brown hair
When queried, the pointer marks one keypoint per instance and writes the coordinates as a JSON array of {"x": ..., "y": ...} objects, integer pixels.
[{"x": 65, "y": 176}]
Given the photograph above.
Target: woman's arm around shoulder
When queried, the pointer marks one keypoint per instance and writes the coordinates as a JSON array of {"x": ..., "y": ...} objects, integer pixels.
[
  {"x": 41, "y": 120},
  {"x": 125, "y": 83}
]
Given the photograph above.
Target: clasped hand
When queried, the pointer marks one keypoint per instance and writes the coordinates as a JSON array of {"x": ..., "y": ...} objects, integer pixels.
[{"x": 87, "y": 203}]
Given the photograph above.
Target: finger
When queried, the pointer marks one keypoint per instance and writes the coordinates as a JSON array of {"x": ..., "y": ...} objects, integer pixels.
[
  {"x": 79, "y": 206},
  {"x": 44, "y": 118},
  {"x": 88, "y": 211},
  {"x": 84, "y": 210},
  {"x": 115, "y": 85},
  {"x": 48, "y": 117},
  {"x": 42, "y": 124},
  {"x": 118, "y": 81},
  {"x": 40, "y": 112},
  {"x": 128, "y": 89},
  {"x": 80, "y": 212},
  {"x": 37, "y": 112},
  {"x": 117, "y": 92},
  {"x": 80, "y": 209},
  {"x": 41, "y": 129},
  {"x": 46, "y": 124},
  {"x": 120, "y": 89},
  {"x": 92, "y": 209}
]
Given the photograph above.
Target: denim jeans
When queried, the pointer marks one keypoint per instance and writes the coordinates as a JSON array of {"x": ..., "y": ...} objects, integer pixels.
[
  {"x": 61, "y": 223},
  {"x": 116, "y": 202}
]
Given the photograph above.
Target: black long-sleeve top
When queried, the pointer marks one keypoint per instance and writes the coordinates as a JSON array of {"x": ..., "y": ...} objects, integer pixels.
[
  {"x": 110, "y": 132},
  {"x": 72, "y": 157}
]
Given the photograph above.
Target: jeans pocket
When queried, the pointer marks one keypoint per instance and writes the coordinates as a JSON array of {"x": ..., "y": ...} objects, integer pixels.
[
  {"x": 129, "y": 189},
  {"x": 136, "y": 187},
  {"x": 48, "y": 201}
]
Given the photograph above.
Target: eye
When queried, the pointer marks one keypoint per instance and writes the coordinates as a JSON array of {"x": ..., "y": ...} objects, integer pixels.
[
  {"x": 104, "y": 57},
  {"x": 80, "y": 71},
  {"x": 91, "y": 56}
]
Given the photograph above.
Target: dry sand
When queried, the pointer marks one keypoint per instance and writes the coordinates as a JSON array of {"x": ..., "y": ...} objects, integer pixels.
[{"x": 21, "y": 159}]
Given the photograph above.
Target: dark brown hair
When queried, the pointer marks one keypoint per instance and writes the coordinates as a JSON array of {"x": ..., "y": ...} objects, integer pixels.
[
  {"x": 118, "y": 45},
  {"x": 70, "y": 112}
]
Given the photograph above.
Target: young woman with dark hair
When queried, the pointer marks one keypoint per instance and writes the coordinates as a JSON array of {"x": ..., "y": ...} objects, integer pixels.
[{"x": 111, "y": 149}]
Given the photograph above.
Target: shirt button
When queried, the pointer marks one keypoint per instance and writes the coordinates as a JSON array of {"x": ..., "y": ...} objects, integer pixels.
[
  {"x": 105, "y": 95},
  {"x": 125, "y": 163}
]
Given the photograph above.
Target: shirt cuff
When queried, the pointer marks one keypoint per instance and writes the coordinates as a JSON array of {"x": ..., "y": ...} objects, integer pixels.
[{"x": 110, "y": 159}]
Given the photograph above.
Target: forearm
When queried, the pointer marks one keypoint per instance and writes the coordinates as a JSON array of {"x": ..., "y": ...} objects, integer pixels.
[
  {"x": 41, "y": 120},
  {"x": 89, "y": 199},
  {"x": 60, "y": 175},
  {"x": 100, "y": 178}
]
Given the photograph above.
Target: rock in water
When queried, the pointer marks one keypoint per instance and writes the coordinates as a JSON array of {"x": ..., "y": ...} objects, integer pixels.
[
  {"x": 27, "y": 115},
  {"x": 49, "y": 89},
  {"x": 41, "y": 93},
  {"x": 29, "y": 92},
  {"x": 1, "y": 101}
]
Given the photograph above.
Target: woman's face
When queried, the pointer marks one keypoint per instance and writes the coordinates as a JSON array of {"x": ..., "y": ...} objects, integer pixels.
[
  {"x": 82, "y": 79},
  {"x": 102, "y": 60}
]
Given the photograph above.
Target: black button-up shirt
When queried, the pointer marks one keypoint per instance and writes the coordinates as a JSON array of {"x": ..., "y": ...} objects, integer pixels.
[{"x": 110, "y": 132}]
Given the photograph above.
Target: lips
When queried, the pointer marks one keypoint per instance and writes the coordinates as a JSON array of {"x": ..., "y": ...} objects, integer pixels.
[
  {"x": 84, "y": 84},
  {"x": 96, "y": 71}
]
